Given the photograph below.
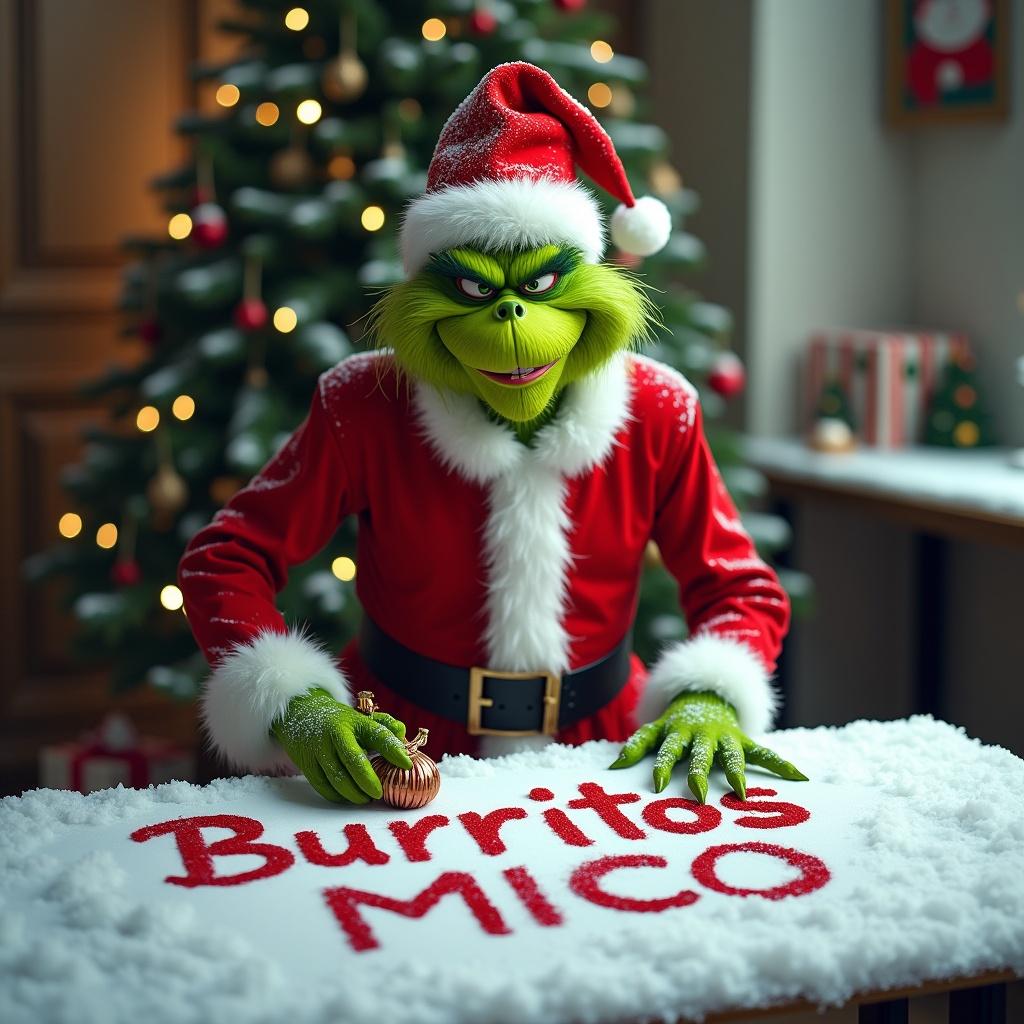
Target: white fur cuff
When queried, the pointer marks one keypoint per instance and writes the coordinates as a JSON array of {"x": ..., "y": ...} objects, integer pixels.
[
  {"x": 726, "y": 667},
  {"x": 250, "y": 688}
]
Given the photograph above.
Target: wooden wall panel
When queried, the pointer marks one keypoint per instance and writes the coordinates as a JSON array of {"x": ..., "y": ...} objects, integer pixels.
[{"x": 89, "y": 92}]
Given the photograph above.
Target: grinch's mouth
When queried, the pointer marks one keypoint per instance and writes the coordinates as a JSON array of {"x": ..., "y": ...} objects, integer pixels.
[{"x": 519, "y": 376}]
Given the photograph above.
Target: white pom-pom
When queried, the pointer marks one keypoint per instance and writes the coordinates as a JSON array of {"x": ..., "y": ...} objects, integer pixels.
[{"x": 643, "y": 228}]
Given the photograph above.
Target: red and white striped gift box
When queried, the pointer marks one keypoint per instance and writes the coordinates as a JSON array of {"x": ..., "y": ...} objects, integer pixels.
[{"x": 889, "y": 377}]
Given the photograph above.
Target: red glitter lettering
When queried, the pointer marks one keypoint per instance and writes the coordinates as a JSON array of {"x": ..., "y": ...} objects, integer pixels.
[
  {"x": 413, "y": 838},
  {"x": 526, "y": 888},
  {"x": 345, "y": 902},
  {"x": 486, "y": 828},
  {"x": 586, "y": 879},
  {"x": 197, "y": 854},
  {"x": 560, "y": 823},
  {"x": 784, "y": 814},
  {"x": 707, "y": 816},
  {"x": 360, "y": 847},
  {"x": 813, "y": 872},
  {"x": 606, "y": 805}
]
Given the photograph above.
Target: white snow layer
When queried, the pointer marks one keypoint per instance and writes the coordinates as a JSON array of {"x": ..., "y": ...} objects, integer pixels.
[
  {"x": 976, "y": 479},
  {"x": 921, "y": 827}
]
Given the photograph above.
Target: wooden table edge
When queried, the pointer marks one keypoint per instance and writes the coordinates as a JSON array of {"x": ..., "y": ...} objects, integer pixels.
[
  {"x": 926, "y": 988},
  {"x": 961, "y": 523}
]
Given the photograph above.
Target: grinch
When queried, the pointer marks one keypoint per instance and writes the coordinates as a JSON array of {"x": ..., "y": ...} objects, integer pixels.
[{"x": 508, "y": 454}]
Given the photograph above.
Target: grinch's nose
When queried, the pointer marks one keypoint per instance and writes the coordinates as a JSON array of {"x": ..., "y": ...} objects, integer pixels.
[{"x": 509, "y": 309}]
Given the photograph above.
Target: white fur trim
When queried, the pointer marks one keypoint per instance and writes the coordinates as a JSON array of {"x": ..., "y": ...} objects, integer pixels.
[
  {"x": 643, "y": 228},
  {"x": 518, "y": 213},
  {"x": 723, "y": 666},
  {"x": 526, "y": 537},
  {"x": 250, "y": 689}
]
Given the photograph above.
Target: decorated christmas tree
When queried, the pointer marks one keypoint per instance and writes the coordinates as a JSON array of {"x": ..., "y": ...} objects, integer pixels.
[
  {"x": 281, "y": 232},
  {"x": 957, "y": 417}
]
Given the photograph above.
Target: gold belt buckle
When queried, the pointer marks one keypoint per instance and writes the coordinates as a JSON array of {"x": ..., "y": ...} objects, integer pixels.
[{"x": 477, "y": 702}]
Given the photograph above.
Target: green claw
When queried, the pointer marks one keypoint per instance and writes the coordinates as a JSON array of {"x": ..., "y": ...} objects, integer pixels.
[
  {"x": 798, "y": 776},
  {"x": 698, "y": 787},
  {"x": 661, "y": 780},
  {"x": 619, "y": 762}
]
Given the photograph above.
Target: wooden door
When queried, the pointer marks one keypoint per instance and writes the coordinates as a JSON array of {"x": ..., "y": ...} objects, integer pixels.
[{"x": 89, "y": 91}]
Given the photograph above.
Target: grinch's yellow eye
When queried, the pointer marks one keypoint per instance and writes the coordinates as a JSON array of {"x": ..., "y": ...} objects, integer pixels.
[
  {"x": 474, "y": 289},
  {"x": 537, "y": 285}
]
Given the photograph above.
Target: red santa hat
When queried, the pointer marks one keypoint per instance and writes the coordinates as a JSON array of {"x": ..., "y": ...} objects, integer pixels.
[{"x": 503, "y": 175}]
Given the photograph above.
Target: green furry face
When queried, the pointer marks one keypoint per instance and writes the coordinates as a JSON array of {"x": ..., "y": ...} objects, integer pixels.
[{"x": 511, "y": 328}]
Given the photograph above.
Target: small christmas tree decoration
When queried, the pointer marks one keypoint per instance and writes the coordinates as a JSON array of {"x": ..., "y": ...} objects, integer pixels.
[
  {"x": 664, "y": 179},
  {"x": 727, "y": 376},
  {"x": 167, "y": 493},
  {"x": 126, "y": 572},
  {"x": 209, "y": 226},
  {"x": 224, "y": 488},
  {"x": 570, "y": 5},
  {"x": 409, "y": 788},
  {"x": 957, "y": 417},
  {"x": 344, "y": 79},
  {"x": 833, "y": 426}
]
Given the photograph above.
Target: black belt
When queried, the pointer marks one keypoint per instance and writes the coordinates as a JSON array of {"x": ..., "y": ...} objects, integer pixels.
[{"x": 493, "y": 702}]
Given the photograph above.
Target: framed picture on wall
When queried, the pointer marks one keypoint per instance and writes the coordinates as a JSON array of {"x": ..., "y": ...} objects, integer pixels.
[{"x": 947, "y": 61}]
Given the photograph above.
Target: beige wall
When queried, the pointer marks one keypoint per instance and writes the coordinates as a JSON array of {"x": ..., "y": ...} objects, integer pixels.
[{"x": 832, "y": 217}]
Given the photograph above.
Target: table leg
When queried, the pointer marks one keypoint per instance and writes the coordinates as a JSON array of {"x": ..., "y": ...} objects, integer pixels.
[
  {"x": 983, "y": 1005},
  {"x": 893, "y": 1011},
  {"x": 931, "y": 571}
]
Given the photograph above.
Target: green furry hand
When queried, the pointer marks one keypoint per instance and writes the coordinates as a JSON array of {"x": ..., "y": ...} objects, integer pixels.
[
  {"x": 703, "y": 726},
  {"x": 328, "y": 743}
]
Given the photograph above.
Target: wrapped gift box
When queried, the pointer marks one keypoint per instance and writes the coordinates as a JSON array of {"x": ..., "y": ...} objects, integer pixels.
[
  {"x": 113, "y": 754},
  {"x": 889, "y": 377}
]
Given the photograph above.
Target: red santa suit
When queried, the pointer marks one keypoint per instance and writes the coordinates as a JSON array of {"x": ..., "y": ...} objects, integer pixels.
[{"x": 477, "y": 550}]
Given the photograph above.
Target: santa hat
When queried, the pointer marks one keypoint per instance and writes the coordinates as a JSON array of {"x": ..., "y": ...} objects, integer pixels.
[{"x": 503, "y": 175}]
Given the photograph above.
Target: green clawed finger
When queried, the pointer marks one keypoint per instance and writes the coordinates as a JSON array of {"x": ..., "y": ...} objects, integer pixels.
[
  {"x": 316, "y": 778},
  {"x": 765, "y": 758},
  {"x": 389, "y": 722},
  {"x": 638, "y": 746},
  {"x": 673, "y": 748},
  {"x": 340, "y": 779},
  {"x": 701, "y": 755},
  {"x": 730, "y": 754},
  {"x": 356, "y": 763},
  {"x": 385, "y": 742}
]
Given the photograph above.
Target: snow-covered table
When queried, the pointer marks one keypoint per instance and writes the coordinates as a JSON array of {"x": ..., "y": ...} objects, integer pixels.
[
  {"x": 969, "y": 495},
  {"x": 537, "y": 888}
]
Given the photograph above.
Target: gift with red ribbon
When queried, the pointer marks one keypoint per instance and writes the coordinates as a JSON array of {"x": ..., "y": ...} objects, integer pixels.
[{"x": 113, "y": 755}]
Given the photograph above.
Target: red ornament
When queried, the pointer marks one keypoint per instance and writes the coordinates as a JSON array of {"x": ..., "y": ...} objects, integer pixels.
[
  {"x": 727, "y": 376},
  {"x": 251, "y": 315},
  {"x": 209, "y": 225},
  {"x": 482, "y": 22},
  {"x": 150, "y": 331},
  {"x": 570, "y": 5},
  {"x": 126, "y": 572}
]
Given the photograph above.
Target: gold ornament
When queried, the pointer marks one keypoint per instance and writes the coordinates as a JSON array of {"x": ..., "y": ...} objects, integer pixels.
[
  {"x": 167, "y": 491},
  {"x": 966, "y": 434},
  {"x": 408, "y": 789},
  {"x": 623, "y": 102},
  {"x": 833, "y": 435},
  {"x": 291, "y": 167},
  {"x": 365, "y": 702},
  {"x": 256, "y": 377},
  {"x": 344, "y": 78}
]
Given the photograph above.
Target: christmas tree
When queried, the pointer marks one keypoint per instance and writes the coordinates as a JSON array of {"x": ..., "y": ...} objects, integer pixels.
[
  {"x": 281, "y": 232},
  {"x": 957, "y": 417}
]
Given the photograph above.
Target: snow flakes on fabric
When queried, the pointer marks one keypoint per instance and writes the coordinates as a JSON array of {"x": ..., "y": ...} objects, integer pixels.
[{"x": 671, "y": 389}]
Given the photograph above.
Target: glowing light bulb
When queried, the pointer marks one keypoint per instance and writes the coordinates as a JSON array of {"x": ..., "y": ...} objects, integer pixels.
[
  {"x": 599, "y": 94},
  {"x": 285, "y": 319},
  {"x": 372, "y": 218},
  {"x": 184, "y": 407},
  {"x": 344, "y": 568},
  {"x": 227, "y": 95},
  {"x": 148, "y": 418},
  {"x": 309, "y": 111},
  {"x": 267, "y": 114},
  {"x": 601, "y": 51},
  {"x": 106, "y": 535},
  {"x": 171, "y": 597},
  {"x": 296, "y": 19},
  {"x": 70, "y": 525},
  {"x": 179, "y": 226},
  {"x": 434, "y": 29}
]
